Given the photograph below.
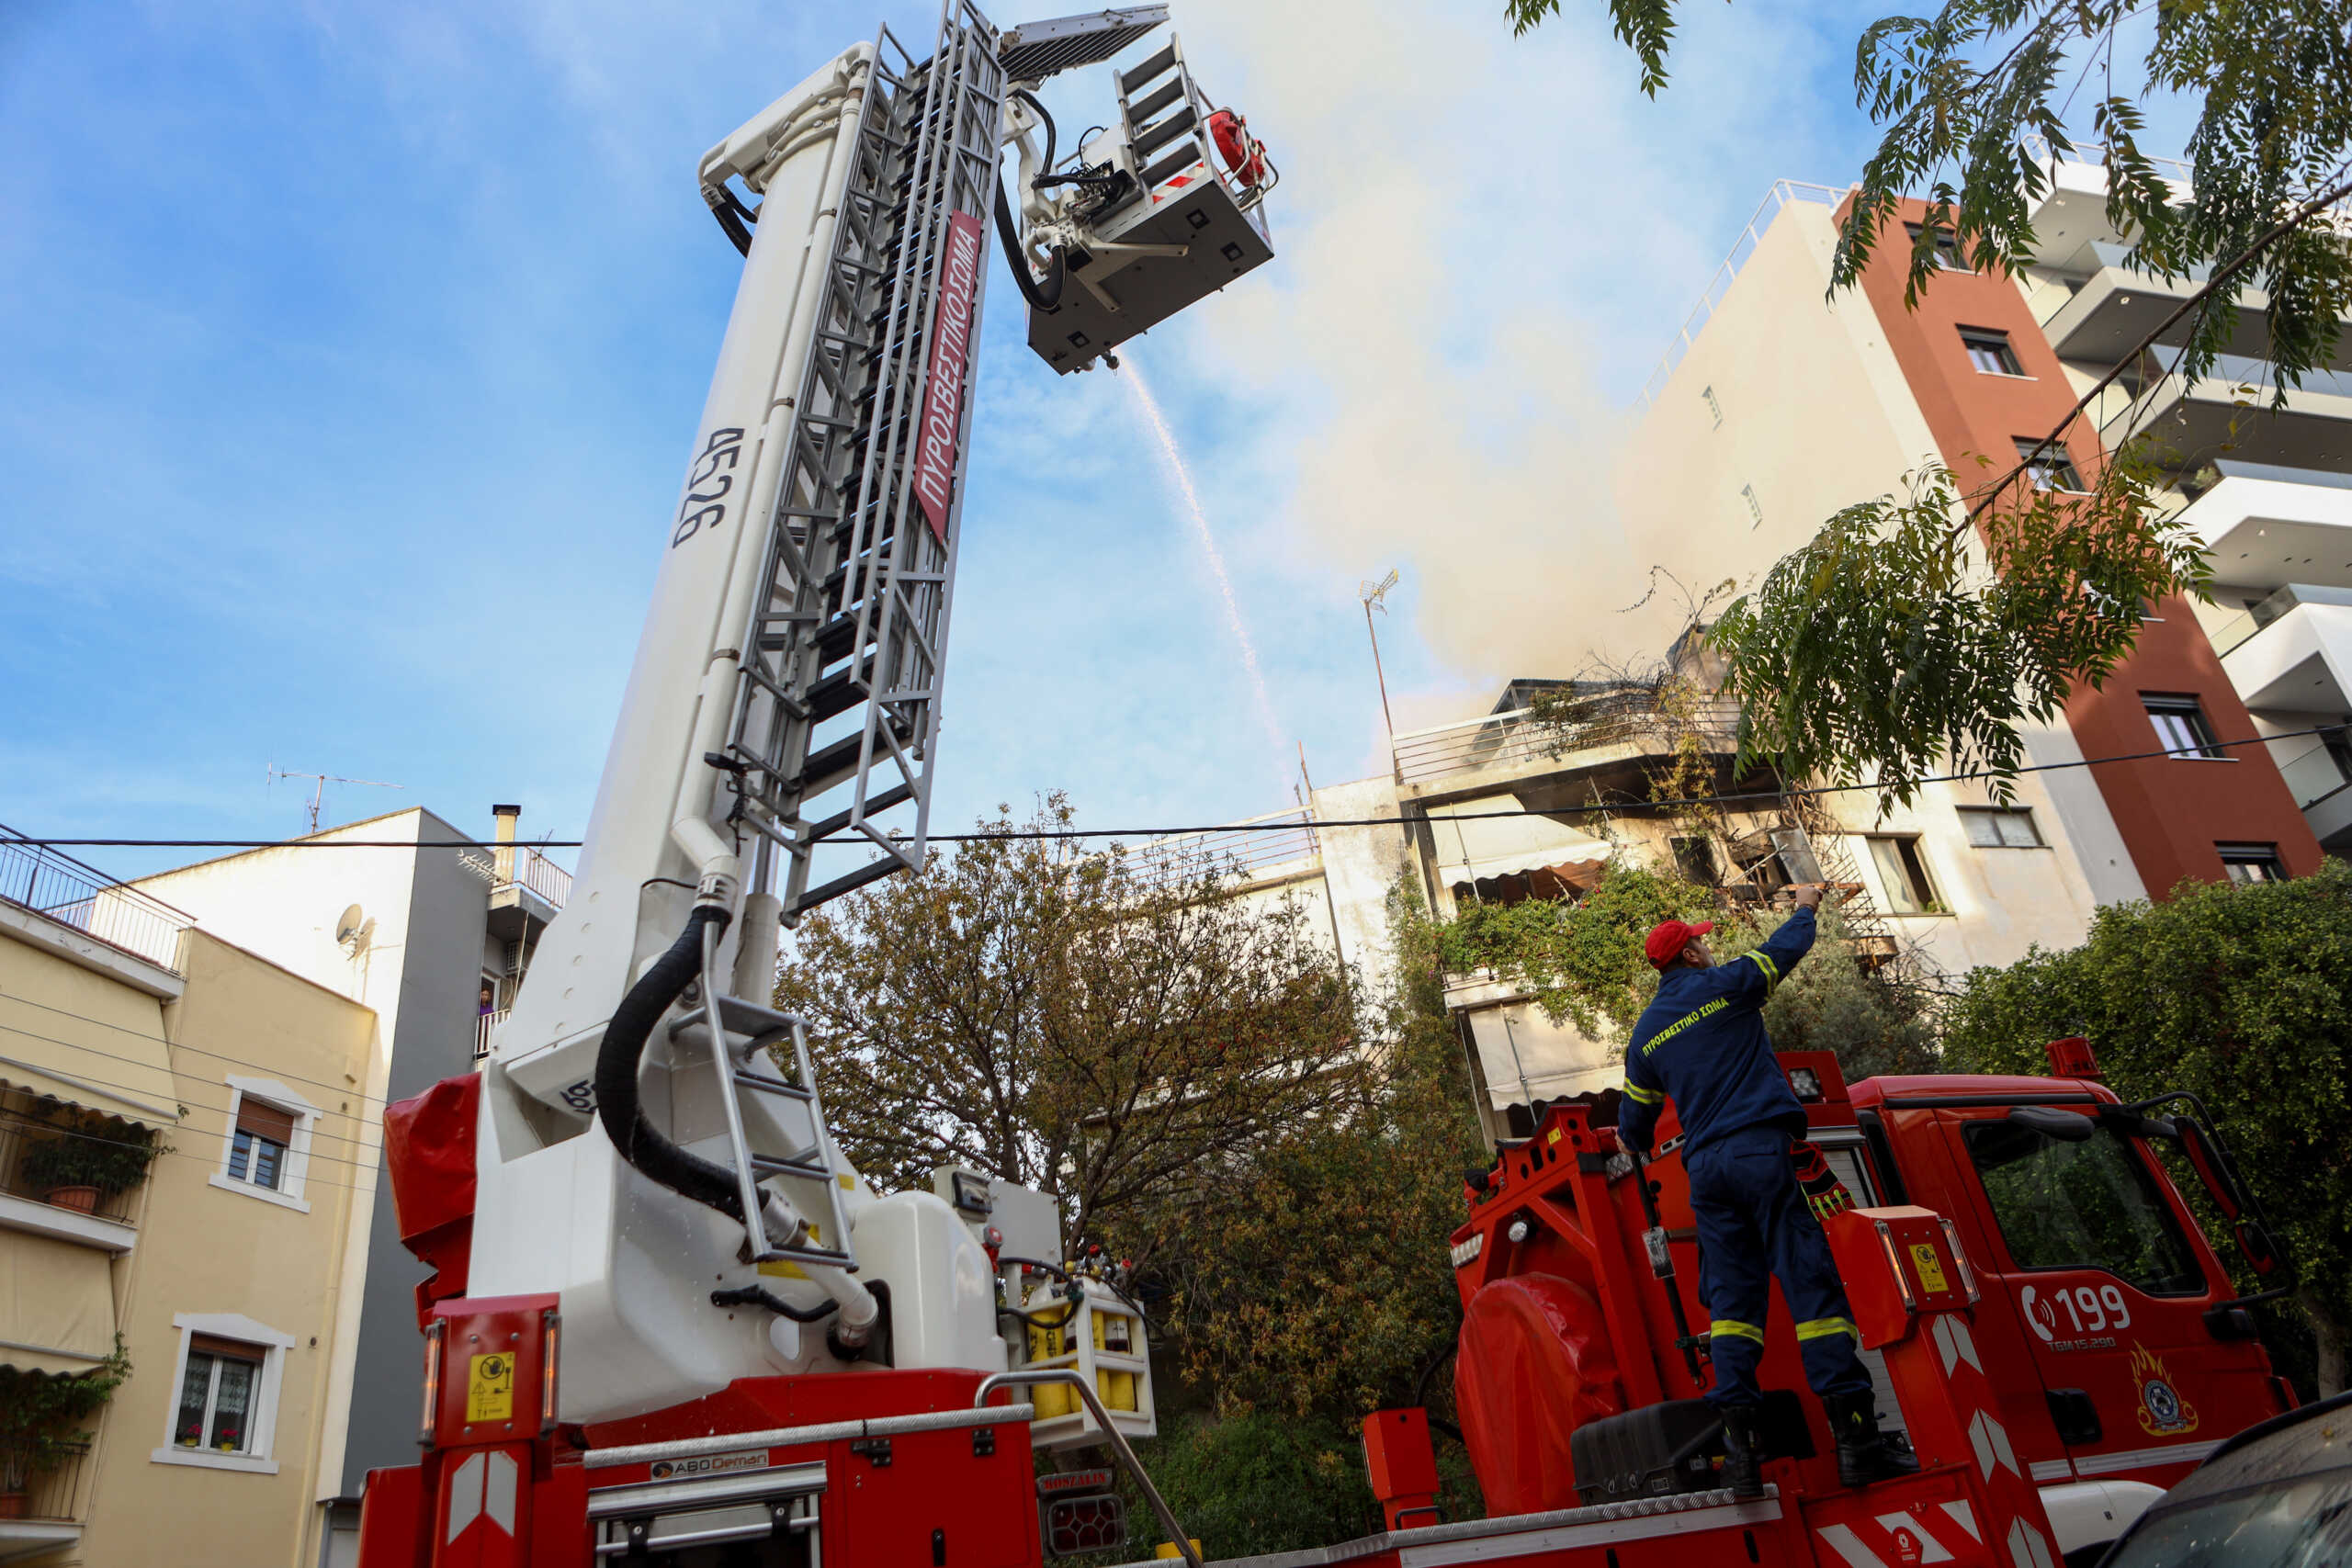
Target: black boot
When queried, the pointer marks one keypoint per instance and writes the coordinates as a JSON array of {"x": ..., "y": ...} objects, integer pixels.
[
  {"x": 1865, "y": 1454},
  {"x": 1743, "y": 1453}
]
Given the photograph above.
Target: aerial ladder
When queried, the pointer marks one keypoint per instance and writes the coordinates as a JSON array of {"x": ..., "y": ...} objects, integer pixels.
[{"x": 669, "y": 1320}]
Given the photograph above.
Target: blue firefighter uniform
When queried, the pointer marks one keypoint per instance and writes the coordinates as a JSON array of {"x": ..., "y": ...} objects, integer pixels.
[{"x": 1702, "y": 1043}]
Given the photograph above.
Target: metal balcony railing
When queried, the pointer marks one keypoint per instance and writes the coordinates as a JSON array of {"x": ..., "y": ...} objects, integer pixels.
[
  {"x": 59, "y": 1493},
  {"x": 72, "y": 893},
  {"x": 2241, "y": 628},
  {"x": 523, "y": 866},
  {"x": 486, "y": 1030},
  {"x": 2314, "y": 774},
  {"x": 1512, "y": 739},
  {"x": 1782, "y": 193},
  {"x": 1278, "y": 838},
  {"x": 20, "y": 1134}
]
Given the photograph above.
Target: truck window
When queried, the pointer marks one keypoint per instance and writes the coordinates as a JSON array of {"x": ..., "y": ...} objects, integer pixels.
[{"x": 2082, "y": 1205}]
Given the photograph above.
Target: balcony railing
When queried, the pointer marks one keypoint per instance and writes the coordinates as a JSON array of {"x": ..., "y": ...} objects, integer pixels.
[
  {"x": 2241, "y": 628},
  {"x": 1281, "y": 838},
  {"x": 486, "y": 1030},
  {"x": 58, "y": 1496},
  {"x": 2314, "y": 774},
  {"x": 523, "y": 866},
  {"x": 1519, "y": 738},
  {"x": 61, "y": 888},
  {"x": 20, "y": 1134}
]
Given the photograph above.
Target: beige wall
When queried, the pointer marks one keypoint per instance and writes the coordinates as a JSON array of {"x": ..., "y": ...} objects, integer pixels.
[
  {"x": 233, "y": 1261},
  {"x": 1816, "y": 416}
]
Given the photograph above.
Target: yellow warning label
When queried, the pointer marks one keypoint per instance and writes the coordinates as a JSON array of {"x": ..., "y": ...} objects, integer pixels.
[
  {"x": 1555, "y": 1135},
  {"x": 1930, "y": 1267},
  {"x": 490, "y": 1388}
]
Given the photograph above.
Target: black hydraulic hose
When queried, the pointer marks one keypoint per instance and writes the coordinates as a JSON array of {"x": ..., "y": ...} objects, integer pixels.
[
  {"x": 1039, "y": 110},
  {"x": 656, "y": 1157},
  {"x": 1047, "y": 296},
  {"x": 753, "y": 1295}
]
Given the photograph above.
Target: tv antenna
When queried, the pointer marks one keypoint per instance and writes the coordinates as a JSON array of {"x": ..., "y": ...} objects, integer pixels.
[
  {"x": 1371, "y": 593},
  {"x": 318, "y": 786}
]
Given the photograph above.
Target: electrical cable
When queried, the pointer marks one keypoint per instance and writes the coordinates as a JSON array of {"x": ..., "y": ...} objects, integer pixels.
[
  {"x": 753, "y": 1295},
  {"x": 1626, "y": 807}
]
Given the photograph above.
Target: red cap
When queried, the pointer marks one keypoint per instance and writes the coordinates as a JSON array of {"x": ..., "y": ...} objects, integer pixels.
[{"x": 1668, "y": 940}]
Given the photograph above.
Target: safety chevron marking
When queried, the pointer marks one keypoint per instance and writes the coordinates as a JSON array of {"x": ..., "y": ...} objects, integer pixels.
[
  {"x": 1991, "y": 1440},
  {"x": 1955, "y": 1343},
  {"x": 2027, "y": 1549},
  {"x": 483, "y": 1487}
]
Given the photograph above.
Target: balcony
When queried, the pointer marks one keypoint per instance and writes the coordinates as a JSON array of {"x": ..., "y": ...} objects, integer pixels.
[
  {"x": 1612, "y": 730},
  {"x": 486, "y": 1030},
  {"x": 80, "y": 1200},
  {"x": 2239, "y": 630},
  {"x": 2267, "y": 527},
  {"x": 1275, "y": 848},
  {"x": 526, "y": 890},
  {"x": 57, "y": 1502},
  {"x": 64, "y": 892},
  {"x": 2229, "y": 413}
]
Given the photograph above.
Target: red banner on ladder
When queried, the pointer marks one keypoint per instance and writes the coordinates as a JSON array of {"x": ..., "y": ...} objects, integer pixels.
[{"x": 951, "y": 348}]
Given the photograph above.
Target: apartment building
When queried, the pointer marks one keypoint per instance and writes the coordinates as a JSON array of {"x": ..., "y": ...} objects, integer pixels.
[
  {"x": 393, "y": 913},
  {"x": 1776, "y": 407},
  {"x": 178, "y": 1122}
]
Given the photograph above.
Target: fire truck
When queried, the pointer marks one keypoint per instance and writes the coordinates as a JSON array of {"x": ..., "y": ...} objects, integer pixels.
[{"x": 669, "y": 1322}]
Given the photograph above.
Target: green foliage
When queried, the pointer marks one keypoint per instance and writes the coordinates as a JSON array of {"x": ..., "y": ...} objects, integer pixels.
[
  {"x": 1582, "y": 961},
  {"x": 1891, "y": 588},
  {"x": 1886, "y": 643},
  {"x": 1875, "y": 1021},
  {"x": 92, "y": 1151},
  {"x": 1318, "y": 1282},
  {"x": 1251, "y": 1484},
  {"x": 2242, "y": 995},
  {"x": 42, "y": 1415}
]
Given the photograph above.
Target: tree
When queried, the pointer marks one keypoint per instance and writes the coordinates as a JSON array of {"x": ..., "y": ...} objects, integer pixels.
[
  {"x": 2242, "y": 995},
  {"x": 1920, "y": 629},
  {"x": 1318, "y": 1284},
  {"x": 1069, "y": 1022}
]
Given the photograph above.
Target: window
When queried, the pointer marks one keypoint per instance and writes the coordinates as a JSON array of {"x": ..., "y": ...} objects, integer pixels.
[
  {"x": 1755, "y": 508},
  {"x": 266, "y": 1149},
  {"x": 1903, "y": 875},
  {"x": 1947, "y": 248},
  {"x": 1695, "y": 858},
  {"x": 257, "y": 1150},
  {"x": 225, "y": 1412},
  {"x": 2252, "y": 862},
  {"x": 2052, "y": 469},
  {"x": 2083, "y": 1202},
  {"x": 217, "y": 1396},
  {"x": 1714, "y": 406},
  {"x": 2180, "y": 725},
  {"x": 1990, "y": 352},
  {"x": 2000, "y": 828}
]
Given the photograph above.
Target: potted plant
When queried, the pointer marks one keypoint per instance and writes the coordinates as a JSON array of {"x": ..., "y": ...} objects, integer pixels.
[
  {"x": 43, "y": 1417},
  {"x": 90, "y": 1162}
]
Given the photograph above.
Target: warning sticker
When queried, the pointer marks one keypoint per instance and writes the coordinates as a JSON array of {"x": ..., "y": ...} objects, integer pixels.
[
  {"x": 490, "y": 1388},
  {"x": 1930, "y": 1268}
]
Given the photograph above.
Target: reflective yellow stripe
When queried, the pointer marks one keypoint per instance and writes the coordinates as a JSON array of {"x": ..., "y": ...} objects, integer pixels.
[
  {"x": 1723, "y": 1327},
  {"x": 1771, "y": 974},
  {"x": 1648, "y": 1097},
  {"x": 1824, "y": 1327}
]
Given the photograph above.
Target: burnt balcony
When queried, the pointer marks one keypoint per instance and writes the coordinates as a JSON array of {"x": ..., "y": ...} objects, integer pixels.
[{"x": 1605, "y": 737}]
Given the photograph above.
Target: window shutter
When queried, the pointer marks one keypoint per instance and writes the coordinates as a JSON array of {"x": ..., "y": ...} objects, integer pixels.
[
  {"x": 265, "y": 1120},
  {"x": 236, "y": 1350}
]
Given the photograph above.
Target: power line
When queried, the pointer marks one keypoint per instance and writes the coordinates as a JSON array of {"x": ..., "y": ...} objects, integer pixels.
[
  {"x": 179, "y": 1045},
  {"x": 1808, "y": 791}
]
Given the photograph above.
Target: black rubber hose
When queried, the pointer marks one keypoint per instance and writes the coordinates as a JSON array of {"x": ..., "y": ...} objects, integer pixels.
[
  {"x": 753, "y": 1295},
  {"x": 1039, "y": 110},
  {"x": 1047, "y": 296},
  {"x": 656, "y": 1157}
]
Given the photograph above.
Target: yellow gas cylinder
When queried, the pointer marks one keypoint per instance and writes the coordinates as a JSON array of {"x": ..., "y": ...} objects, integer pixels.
[{"x": 1113, "y": 1333}]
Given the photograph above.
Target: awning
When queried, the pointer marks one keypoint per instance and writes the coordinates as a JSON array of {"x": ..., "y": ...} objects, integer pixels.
[
  {"x": 115, "y": 1067},
  {"x": 56, "y": 1304},
  {"x": 1515, "y": 857}
]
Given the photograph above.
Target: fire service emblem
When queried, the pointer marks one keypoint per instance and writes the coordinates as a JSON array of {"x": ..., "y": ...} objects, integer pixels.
[{"x": 2163, "y": 1413}]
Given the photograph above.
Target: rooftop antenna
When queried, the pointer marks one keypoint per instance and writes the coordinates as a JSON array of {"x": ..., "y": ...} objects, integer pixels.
[
  {"x": 318, "y": 786},
  {"x": 1371, "y": 593}
]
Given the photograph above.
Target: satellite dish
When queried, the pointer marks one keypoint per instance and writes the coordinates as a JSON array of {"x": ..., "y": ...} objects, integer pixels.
[{"x": 350, "y": 926}]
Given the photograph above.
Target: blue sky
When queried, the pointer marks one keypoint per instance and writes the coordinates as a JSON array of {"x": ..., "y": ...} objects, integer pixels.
[{"x": 354, "y": 353}]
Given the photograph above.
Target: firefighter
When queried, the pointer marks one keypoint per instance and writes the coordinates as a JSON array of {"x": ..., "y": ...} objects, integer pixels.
[{"x": 1701, "y": 1044}]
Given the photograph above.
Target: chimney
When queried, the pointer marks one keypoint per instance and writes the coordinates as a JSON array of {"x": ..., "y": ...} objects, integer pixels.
[{"x": 505, "y": 817}]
